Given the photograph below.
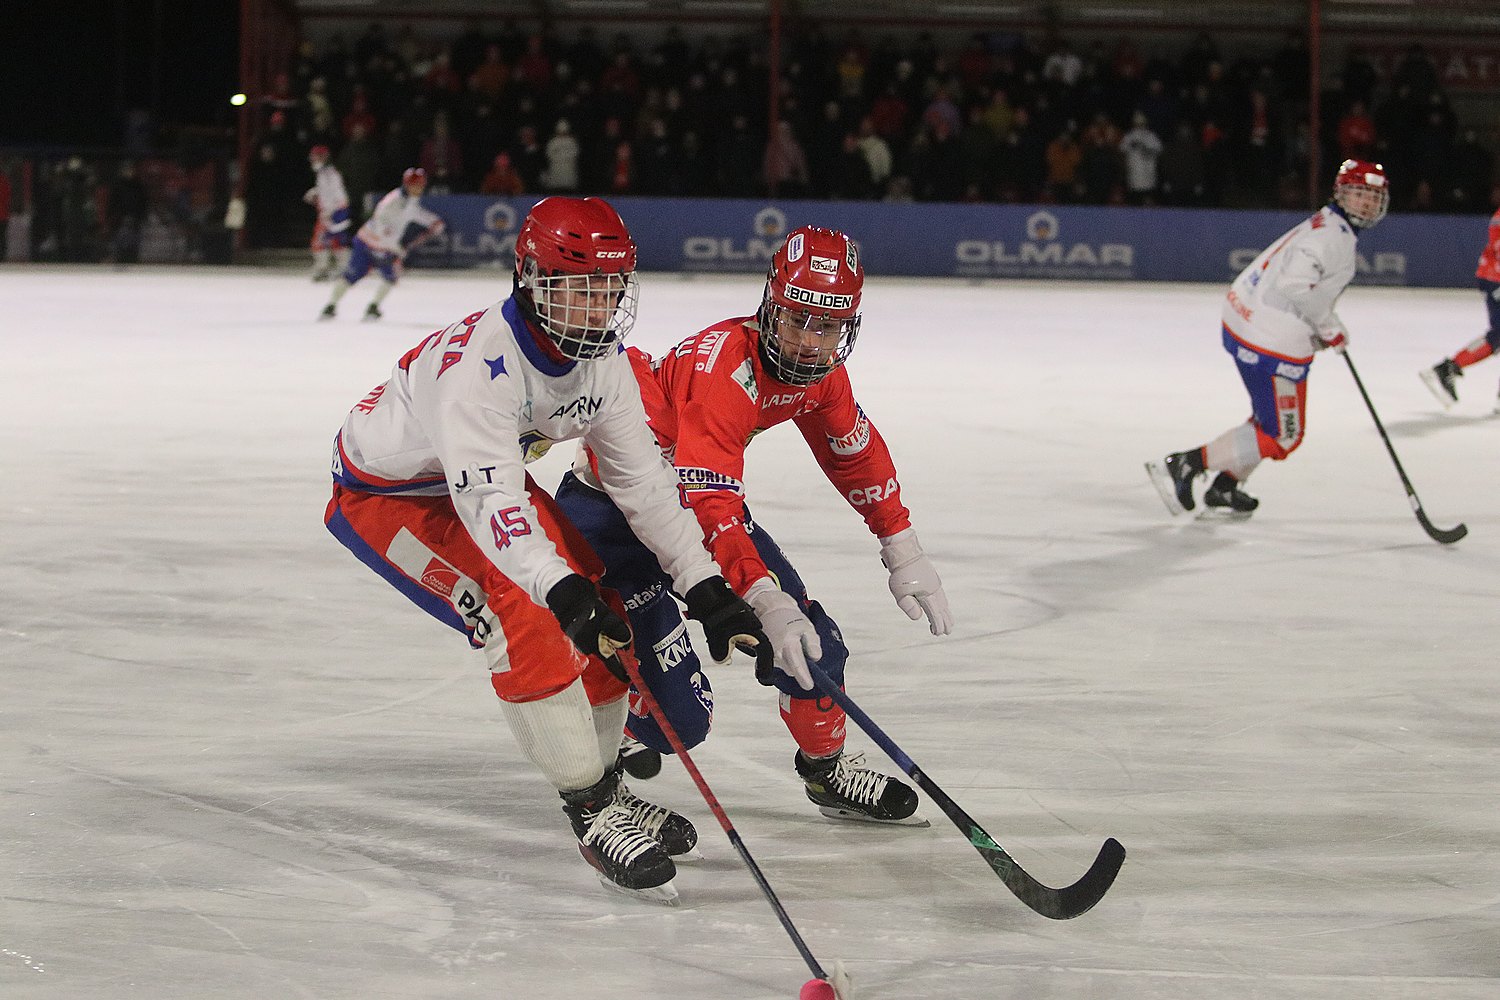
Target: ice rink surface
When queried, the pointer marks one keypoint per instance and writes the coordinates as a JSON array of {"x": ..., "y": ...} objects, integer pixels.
[{"x": 235, "y": 764}]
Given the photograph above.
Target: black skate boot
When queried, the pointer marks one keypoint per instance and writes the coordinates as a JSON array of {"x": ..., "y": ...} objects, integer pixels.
[
  {"x": 640, "y": 760},
  {"x": 1173, "y": 478},
  {"x": 327, "y": 312},
  {"x": 1441, "y": 380},
  {"x": 625, "y": 856},
  {"x": 1224, "y": 494},
  {"x": 842, "y": 789},
  {"x": 372, "y": 313},
  {"x": 673, "y": 831}
]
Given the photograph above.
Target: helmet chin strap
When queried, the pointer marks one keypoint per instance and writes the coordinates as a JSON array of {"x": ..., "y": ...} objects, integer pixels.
[{"x": 534, "y": 322}]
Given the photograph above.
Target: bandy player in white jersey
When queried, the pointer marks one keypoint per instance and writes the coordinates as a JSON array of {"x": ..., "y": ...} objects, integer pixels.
[
  {"x": 330, "y": 198},
  {"x": 1278, "y": 313},
  {"x": 431, "y": 491},
  {"x": 378, "y": 244}
]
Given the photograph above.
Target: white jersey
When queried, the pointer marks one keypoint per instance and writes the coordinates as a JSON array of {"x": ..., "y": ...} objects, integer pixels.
[
  {"x": 468, "y": 407},
  {"x": 330, "y": 197},
  {"x": 388, "y": 223},
  {"x": 1287, "y": 294}
]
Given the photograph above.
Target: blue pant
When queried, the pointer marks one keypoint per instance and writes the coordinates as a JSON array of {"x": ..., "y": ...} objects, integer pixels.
[
  {"x": 669, "y": 665},
  {"x": 1491, "y": 292},
  {"x": 363, "y": 257}
]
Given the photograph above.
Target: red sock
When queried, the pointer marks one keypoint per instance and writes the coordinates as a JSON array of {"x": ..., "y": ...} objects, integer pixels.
[
  {"x": 816, "y": 724},
  {"x": 1477, "y": 351}
]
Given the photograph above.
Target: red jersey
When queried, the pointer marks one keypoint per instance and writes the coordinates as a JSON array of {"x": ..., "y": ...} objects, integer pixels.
[
  {"x": 1489, "y": 257},
  {"x": 708, "y": 398}
]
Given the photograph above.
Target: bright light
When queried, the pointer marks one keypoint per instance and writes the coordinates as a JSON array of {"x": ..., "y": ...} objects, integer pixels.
[{"x": 237, "y": 100}]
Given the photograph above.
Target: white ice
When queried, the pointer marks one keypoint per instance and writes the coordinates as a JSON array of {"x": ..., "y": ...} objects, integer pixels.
[{"x": 235, "y": 764}]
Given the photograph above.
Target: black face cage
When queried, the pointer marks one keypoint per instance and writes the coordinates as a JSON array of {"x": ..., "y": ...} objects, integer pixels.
[
  {"x": 784, "y": 364},
  {"x": 586, "y": 316}
]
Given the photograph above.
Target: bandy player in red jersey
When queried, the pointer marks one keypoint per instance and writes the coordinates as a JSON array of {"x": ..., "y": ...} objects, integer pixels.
[
  {"x": 1442, "y": 378},
  {"x": 431, "y": 492},
  {"x": 706, "y": 400}
]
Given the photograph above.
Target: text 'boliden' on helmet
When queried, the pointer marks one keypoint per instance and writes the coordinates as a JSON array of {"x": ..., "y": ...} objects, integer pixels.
[
  {"x": 1362, "y": 191},
  {"x": 809, "y": 315},
  {"x": 575, "y": 275}
]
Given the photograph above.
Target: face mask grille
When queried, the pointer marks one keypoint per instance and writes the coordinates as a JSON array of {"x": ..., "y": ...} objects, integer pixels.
[
  {"x": 1363, "y": 211},
  {"x": 585, "y": 315},
  {"x": 799, "y": 348}
]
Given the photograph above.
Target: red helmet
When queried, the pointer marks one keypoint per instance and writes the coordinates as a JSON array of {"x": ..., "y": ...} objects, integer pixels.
[
  {"x": 318, "y": 153},
  {"x": 414, "y": 177},
  {"x": 575, "y": 275},
  {"x": 1362, "y": 191},
  {"x": 809, "y": 315}
]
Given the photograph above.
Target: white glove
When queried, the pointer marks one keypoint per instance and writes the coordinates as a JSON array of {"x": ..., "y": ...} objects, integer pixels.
[
  {"x": 794, "y": 640},
  {"x": 914, "y": 583}
]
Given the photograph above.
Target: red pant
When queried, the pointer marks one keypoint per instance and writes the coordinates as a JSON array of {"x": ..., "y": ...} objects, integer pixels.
[{"x": 420, "y": 547}]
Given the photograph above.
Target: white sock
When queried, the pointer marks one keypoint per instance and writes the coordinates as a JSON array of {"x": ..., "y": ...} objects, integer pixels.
[
  {"x": 609, "y": 727},
  {"x": 557, "y": 734}
]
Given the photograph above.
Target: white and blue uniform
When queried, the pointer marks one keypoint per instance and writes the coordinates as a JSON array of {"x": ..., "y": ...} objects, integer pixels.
[
  {"x": 1275, "y": 317},
  {"x": 378, "y": 243},
  {"x": 331, "y": 199},
  {"x": 465, "y": 411}
]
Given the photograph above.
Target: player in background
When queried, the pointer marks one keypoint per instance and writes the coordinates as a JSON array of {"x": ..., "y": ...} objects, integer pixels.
[
  {"x": 706, "y": 400},
  {"x": 1278, "y": 313},
  {"x": 1442, "y": 377},
  {"x": 431, "y": 492},
  {"x": 331, "y": 201},
  {"x": 379, "y": 242}
]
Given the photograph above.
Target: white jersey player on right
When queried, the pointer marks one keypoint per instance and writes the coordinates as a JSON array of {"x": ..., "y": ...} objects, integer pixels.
[{"x": 1278, "y": 313}]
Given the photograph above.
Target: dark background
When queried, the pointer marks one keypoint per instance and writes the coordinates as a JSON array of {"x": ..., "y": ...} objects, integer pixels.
[{"x": 73, "y": 69}]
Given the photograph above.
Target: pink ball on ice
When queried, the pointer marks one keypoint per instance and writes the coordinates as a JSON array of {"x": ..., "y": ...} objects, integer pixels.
[{"x": 817, "y": 989}]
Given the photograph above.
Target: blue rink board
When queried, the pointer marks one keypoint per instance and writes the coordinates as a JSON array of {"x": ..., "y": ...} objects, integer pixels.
[{"x": 977, "y": 241}]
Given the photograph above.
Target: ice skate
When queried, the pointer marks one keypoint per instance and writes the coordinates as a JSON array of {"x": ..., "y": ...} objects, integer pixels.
[
  {"x": 1224, "y": 496},
  {"x": 327, "y": 312},
  {"x": 372, "y": 313},
  {"x": 1173, "y": 478},
  {"x": 626, "y": 857},
  {"x": 1440, "y": 380},
  {"x": 640, "y": 760},
  {"x": 673, "y": 831},
  {"x": 842, "y": 789}
]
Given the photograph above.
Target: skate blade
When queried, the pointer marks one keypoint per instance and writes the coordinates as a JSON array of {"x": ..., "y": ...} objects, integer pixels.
[
  {"x": 1434, "y": 386},
  {"x": 834, "y": 812},
  {"x": 664, "y": 894},
  {"x": 1224, "y": 514},
  {"x": 691, "y": 856},
  {"x": 1165, "y": 487}
]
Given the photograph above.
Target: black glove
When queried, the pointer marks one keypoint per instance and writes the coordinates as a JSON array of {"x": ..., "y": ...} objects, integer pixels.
[
  {"x": 590, "y": 623},
  {"x": 727, "y": 620}
]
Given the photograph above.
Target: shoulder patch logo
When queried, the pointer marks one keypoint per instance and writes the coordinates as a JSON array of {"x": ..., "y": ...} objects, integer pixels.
[{"x": 744, "y": 377}]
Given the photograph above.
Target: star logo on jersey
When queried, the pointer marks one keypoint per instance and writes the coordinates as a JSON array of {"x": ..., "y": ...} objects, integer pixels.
[{"x": 497, "y": 367}]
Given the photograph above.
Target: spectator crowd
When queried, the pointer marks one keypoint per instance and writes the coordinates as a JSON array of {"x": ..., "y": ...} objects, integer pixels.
[{"x": 999, "y": 116}]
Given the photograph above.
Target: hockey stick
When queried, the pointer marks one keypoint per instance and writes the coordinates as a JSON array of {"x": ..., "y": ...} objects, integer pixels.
[
  {"x": 1446, "y": 536},
  {"x": 838, "y": 982},
  {"x": 1058, "y": 904}
]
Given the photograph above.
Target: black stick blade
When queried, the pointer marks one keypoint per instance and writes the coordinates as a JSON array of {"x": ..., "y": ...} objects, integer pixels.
[
  {"x": 1056, "y": 904},
  {"x": 1446, "y": 536}
]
